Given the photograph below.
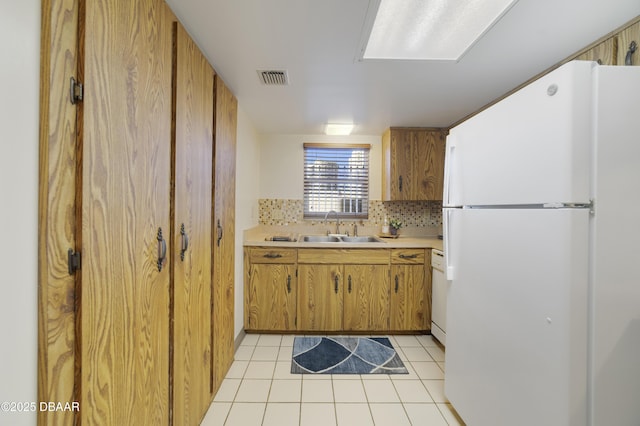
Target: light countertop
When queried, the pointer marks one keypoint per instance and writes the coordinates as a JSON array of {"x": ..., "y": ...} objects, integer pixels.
[{"x": 261, "y": 236}]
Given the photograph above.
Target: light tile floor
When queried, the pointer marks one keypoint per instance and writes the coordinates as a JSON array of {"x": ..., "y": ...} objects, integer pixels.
[{"x": 260, "y": 390}]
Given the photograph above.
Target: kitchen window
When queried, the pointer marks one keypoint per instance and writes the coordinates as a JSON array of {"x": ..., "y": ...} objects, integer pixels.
[{"x": 336, "y": 177}]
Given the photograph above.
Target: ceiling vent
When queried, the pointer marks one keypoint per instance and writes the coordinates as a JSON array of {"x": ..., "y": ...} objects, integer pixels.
[{"x": 273, "y": 77}]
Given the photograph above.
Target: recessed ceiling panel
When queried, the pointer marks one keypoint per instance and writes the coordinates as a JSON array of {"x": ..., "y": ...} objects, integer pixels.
[{"x": 431, "y": 29}]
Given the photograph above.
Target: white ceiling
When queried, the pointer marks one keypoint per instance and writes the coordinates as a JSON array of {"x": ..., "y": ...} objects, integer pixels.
[{"x": 318, "y": 43}]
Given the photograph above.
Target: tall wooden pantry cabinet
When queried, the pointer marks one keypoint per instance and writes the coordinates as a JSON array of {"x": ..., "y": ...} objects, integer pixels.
[
  {"x": 225, "y": 130},
  {"x": 137, "y": 165},
  {"x": 191, "y": 230}
]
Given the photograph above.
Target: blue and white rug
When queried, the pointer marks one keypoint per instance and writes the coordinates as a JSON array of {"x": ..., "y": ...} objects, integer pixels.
[{"x": 345, "y": 355}]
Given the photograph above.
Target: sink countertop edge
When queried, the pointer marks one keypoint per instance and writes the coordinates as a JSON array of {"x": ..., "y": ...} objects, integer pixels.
[{"x": 256, "y": 240}]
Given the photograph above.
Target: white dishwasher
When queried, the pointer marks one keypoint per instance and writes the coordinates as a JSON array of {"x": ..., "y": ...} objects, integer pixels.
[{"x": 439, "y": 289}]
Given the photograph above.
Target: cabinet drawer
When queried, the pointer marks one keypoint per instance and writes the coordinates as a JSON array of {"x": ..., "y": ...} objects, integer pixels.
[
  {"x": 344, "y": 256},
  {"x": 272, "y": 255},
  {"x": 407, "y": 256}
]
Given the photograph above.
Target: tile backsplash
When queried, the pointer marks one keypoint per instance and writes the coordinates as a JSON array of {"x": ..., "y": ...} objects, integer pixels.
[{"x": 411, "y": 213}]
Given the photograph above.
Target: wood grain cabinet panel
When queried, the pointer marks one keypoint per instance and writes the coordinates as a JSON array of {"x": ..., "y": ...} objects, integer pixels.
[
  {"x": 320, "y": 297},
  {"x": 408, "y": 310},
  {"x": 126, "y": 140},
  {"x": 271, "y": 255},
  {"x": 366, "y": 298},
  {"x": 272, "y": 297},
  {"x": 192, "y": 239},
  {"x": 270, "y": 290},
  {"x": 410, "y": 306},
  {"x": 224, "y": 187},
  {"x": 413, "y": 164},
  {"x": 604, "y": 53},
  {"x": 57, "y": 355},
  {"x": 625, "y": 38}
]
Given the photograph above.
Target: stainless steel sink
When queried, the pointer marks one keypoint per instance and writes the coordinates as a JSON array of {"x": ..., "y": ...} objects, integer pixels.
[
  {"x": 320, "y": 239},
  {"x": 363, "y": 239},
  {"x": 340, "y": 239}
]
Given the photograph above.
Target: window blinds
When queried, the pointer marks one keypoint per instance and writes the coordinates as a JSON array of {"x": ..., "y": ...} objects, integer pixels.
[{"x": 336, "y": 177}]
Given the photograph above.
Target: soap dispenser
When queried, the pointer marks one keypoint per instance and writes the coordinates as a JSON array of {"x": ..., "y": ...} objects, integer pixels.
[{"x": 385, "y": 225}]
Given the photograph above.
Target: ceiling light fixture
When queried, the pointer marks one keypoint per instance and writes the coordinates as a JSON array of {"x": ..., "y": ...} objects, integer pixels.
[
  {"x": 429, "y": 29},
  {"x": 338, "y": 129}
]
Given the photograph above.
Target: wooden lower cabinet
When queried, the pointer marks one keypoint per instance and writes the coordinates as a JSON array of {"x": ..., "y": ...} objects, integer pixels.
[
  {"x": 320, "y": 297},
  {"x": 328, "y": 290},
  {"x": 410, "y": 309},
  {"x": 316, "y": 290},
  {"x": 408, "y": 298},
  {"x": 366, "y": 298},
  {"x": 271, "y": 293}
]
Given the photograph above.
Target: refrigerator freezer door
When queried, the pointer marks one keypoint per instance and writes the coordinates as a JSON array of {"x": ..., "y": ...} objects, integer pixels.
[
  {"x": 616, "y": 234},
  {"x": 531, "y": 148},
  {"x": 517, "y": 316}
]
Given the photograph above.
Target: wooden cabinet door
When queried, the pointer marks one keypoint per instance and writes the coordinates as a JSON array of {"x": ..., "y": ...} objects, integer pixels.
[
  {"x": 428, "y": 162},
  {"x": 225, "y": 125},
  {"x": 603, "y": 53},
  {"x": 192, "y": 237},
  {"x": 320, "y": 297},
  {"x": 625, "y": 38},
  {"x": 408, "y": 298},
  {"x": 272, "y": 297},
  {"x": 126, "y": 141},
  {"x": 413, "y": 164},
  {"x": 366, "y": 298},
  {"x": 57, "y": 345},
  {"x": 402, "y": 169}
]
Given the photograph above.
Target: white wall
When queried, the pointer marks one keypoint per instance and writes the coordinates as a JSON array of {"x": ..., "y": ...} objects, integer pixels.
[
  {"x": 19, "y": 100},
  {"x": 247, "y": 178},
  {"x": 281, "y": 163}
]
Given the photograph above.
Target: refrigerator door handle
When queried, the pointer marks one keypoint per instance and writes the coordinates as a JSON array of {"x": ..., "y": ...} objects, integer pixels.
[
  {"x": 448, "y": 165},
  {"x": 446, "y": 220}
]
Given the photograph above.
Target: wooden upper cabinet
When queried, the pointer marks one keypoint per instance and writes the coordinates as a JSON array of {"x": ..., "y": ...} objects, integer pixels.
[
  {"x": 604, "y": 53},
  {"x": 413, "y": 164},
  {"x": 625, "y": 38},
  {"x": 615, "y": 49}
]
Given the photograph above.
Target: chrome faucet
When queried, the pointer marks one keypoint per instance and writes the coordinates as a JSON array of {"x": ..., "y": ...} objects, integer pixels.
[{"x": 337, "y": 220}]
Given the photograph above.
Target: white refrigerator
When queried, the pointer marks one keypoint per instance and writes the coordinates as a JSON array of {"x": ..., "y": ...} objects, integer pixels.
[{"x": 542, "y": 246}]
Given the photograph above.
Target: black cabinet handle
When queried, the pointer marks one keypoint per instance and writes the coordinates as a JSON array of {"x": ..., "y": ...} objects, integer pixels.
[
  {"x": 628, "y": 60},
  {"x": 336, "y": 286},
  {"x": 185, "y": 242},
  {"x": 272, "y": 255},
  {"x": 408, "y": 256},
  {"x": 162, "y": 250},
  {"x": 397, "y": 283},
  {"x": 400, "y": 183},
  {"x": 289, "y": 283},
  {"x": 219, "y": 232},
  {"x": 349, "y": 283}
]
